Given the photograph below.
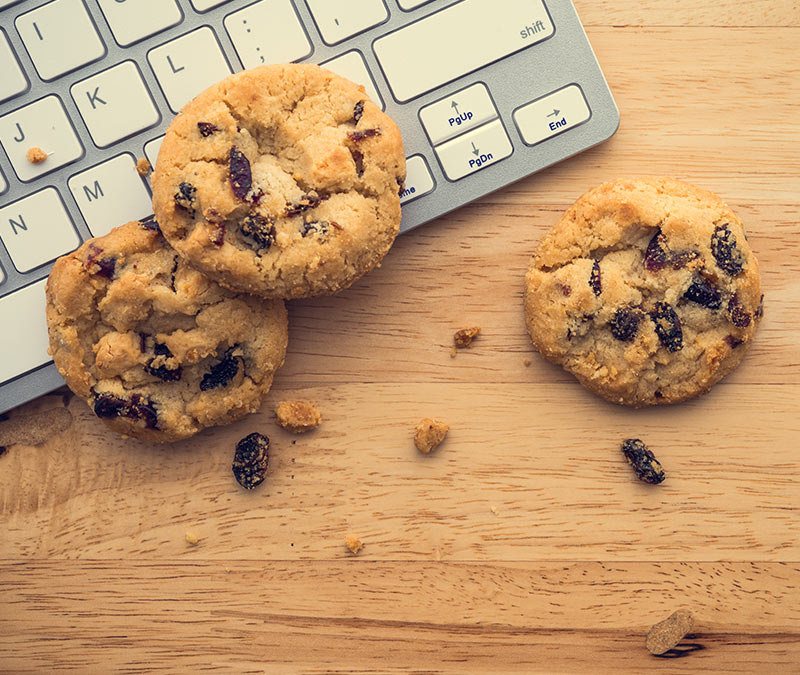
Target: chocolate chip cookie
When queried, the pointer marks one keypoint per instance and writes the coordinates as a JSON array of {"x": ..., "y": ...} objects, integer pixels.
[
  {"x": 646, "y": 290},
  {"x": 281, "y": 181},
  {"x": 156, "y": 349}
]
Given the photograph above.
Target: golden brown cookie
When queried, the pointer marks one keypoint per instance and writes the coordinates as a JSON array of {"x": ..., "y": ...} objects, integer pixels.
[
  {"x": 646, "y": 290},
  {"x": 281, "y": 181},
  {"x": 156, "y": 349}
]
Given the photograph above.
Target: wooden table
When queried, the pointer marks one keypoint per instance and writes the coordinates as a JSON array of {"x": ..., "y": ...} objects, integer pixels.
[{"x": 523, "y": 545}]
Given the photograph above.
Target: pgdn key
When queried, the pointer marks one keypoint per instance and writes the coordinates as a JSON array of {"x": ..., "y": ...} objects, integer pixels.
[{"x": 474, "y": 151}]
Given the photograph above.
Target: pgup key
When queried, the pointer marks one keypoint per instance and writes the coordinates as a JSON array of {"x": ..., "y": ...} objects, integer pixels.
[{"x": 459, "y": 112}]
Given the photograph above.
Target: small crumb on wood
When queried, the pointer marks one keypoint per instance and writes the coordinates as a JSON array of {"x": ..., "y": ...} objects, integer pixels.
[
  {"x": 453, "y": 352},
  {"x": 35, "y": 155},
  {"x": 353, "y": 543},
  {"x": 36, "y": 428},
  {"x": 143, "y": 167},
  {"x": 463, "y": 338},
  {"x": 669, "y": 632},
  {"x": 494, "y": 510},
  {"x": 429, "y": 435},
  {"x": 526, "y": 363},
  {"x": 192, "y": 538},
  {"x": 298, "y": 416},
  {"x": 228, "y": 570}
]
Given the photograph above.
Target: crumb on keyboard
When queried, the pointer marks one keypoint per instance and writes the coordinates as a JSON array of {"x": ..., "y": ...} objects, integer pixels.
[
  {"x": 35, "y": 155},
  {"x": 429, "y": 435},
  {"x": 298, "y": 416},
  {"x": 143, "y": 167}
]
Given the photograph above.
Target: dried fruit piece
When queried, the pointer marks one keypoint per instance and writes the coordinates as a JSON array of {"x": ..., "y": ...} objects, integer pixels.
[
  {"x": 222, "y": 373},
  {"x": 657, "y": 255},
  {"x": 357, "y": 136},
  {"x": 733, "y": 342},
  {"x": 206, "y": 129},
  {"x": 739, "y": 316},
  {"x": 429, "y": 435},
  {"x": 260, "y": 229},
  {"x": 150, "y": 223},
  {"x": 157, "y": 367},
  {"x": 680, "y": 259},
  {"x": 566, "y": 290},
  {"x": 240, "y": 174},
  {"x": 103, "y": 267},
  {"x": 358, "y": 160},
  {"x": 625, "y": 323},
  {"x": 353, "y": 543},
  {"x": 298, "y": 416},
  {"x": 316, "y": 227},
  {"x": 250, "y": 460},
  {"x": 311, "y": 200},
  {"x": 595, "y": 280},
  {"x": 464, "y": 336},
  {"x": 644, "y": 463},
  {"x": 725, "y": 250},
  {"x": 108, "y": 406},
  {"x": 669, "y": 632},
  {"x": 704, "y": 293},
  {"x": 185, "y": 196},
  {"x": 668, "y": 326},
  {"x": 358, "y": 111}
]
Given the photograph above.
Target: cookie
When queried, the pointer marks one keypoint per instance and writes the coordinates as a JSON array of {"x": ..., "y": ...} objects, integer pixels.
[
  {"x": 281, "y": 181},
  {"x": 156, "y": 349},
  {"x": 646, "y": 290}
]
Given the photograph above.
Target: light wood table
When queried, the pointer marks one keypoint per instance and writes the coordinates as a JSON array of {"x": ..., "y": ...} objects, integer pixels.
[{"x": 523, "y": 545}]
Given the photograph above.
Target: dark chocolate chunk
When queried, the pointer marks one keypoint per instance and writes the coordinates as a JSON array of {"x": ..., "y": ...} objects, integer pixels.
[
  {"x": 668, "y": 326},
  {"x": 644, "y": 463},
  {"x": 625, "y": 323},
  {"x": 206, "y": 129},
  {"x": 725, "y": 251},
  {"x": 704, "y": 293},
  {"x": 221, "y": 373},
  {"x": 260, "y": 229},
  {"x": 357, "y": 136},
  {"x": 739, "y": 316},
  {"x": 358, "y": 111},
  {"x": 185, "y": 196},
  {"x": 241, "y": 176},
  {"x": 250, "y": 460},
  {"x": 657, "y": 255},
  {"x": 595, "y": 281}
]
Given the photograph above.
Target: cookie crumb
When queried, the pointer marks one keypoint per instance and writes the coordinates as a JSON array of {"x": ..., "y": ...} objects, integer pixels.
[
  {"x": 143, "y": 167},
  {"x": 463, "y": 338},
  {"x": 429, "y": 435},
  {"x": 35, "y": 155},
  {"x": 353, "y": 543},
  {"x": 669, "y": 632},
  {"x": 192, "y": 538},
  {"x": 453, "y": 352},
  {"x": 228, "y": 570},
  {"x": 298, "y": 416},
  {"x": 494, "y": 510},
  {"x": 526, "y": 363}
]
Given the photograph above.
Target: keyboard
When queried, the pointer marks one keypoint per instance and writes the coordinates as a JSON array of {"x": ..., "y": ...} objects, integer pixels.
[{"x": 485, "y": 92}]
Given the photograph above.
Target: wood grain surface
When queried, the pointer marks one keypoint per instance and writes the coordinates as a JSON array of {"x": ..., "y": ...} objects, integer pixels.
[{"x": 523, "y": 545}]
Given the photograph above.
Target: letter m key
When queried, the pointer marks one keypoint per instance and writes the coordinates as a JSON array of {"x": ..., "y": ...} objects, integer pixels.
[{"x": 95, "y": 193}]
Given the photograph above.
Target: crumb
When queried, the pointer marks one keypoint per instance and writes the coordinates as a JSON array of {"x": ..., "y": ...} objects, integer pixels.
[
  {"x": 494, "y": 510},
  {"x": 36, "y": 428},
  {"x": 228, "y": 570},
  {"x": 298, "y": 416},
  {"x": 192, "y": 538},
  {"x": 353, "y": 543},
  {"x": 463, "y": 338},
  {"x": 429, "y": 435},
  {"x": 143, "y": 167},
  {"x": 526, "y": 363},
  {"x": 453, "y": 352},
  {"x": 669, "y": 632},
  {"x": 36, "y": 155}
]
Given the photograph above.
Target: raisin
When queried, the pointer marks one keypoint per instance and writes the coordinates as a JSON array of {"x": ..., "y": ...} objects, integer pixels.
[
  {"x": 680, "y": 259},
  {"x": 725, "y": 251},
  {"x": 108, "y": 406},
  {"x": 358, "y": 160},
  {"x": 668, "y": 326},
  {"x": 644, "y": 463},
  {"x": 142, "y": 409},
  {"x": 206, "y": 129},
  {"x": 250, "y": 460},
  {"x": 625, "y": 323},
  {"x": 240, "y": 175},
  {"x": 703, "y": 293},
  {"x": 162, "y": 372},
  {"x": 260, "y": 229},
  {"x": 739, "y": 316},
  {"x": 733, "y": 342},
  {"x": 103, "y": 267},
  {"x": 760, "y": 308},
  {"x": 657, "y": 255},
  {"x": 143, "y": 342},
  {"x": 150, "y": 223},
  {"x": 358, "y": 111},
  {"x": 357, "y": 136},
  {"x": 595, "y": 281},
  {"x": 308, "y": 201},
  {"x": 316, "y": 227},
  {"x": 185, "y": 196},
  {"x": 222, "y": 373}
]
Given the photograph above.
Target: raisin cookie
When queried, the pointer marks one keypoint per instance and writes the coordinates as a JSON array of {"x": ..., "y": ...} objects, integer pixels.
[
  {"x": 156, "y": 349},
  {"x": 281, "y": 181},
  {"x": 646, "y": 290}
]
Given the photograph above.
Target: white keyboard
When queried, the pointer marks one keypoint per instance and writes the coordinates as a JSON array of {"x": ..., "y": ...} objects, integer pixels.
[{"x": 484, "y": 91}]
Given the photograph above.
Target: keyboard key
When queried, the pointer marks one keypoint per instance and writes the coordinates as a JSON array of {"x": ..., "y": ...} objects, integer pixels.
[
  {"x": 460, "y": 112},
  {"x": 411, "y": 4},
  {"x": 268, "y": 32},
  {"x": 13, "y": 81},
  {"x": 552, "y": 114},
  {"x": 474, "y": 151},
  {"x": 204, "y": 5},
  {"x": 23, "y": 340},
  {"x": 151, "y": 149},
  {"x": 338, "y": 20},
  {"x": 352, "y": 66},
  {"x": 37, "y": 229},
  {"x": 418, "y": 179},
  {"x": 458, "y": 40},
  {"x": 110, "y": 194},
  {"x": 42, "y": 124},
  {"x": 115, "y": 104},
  {"x": 135, "y": 20},
  {"x": 60, "y": 37},
  {"x": 187, "y": 65}
]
